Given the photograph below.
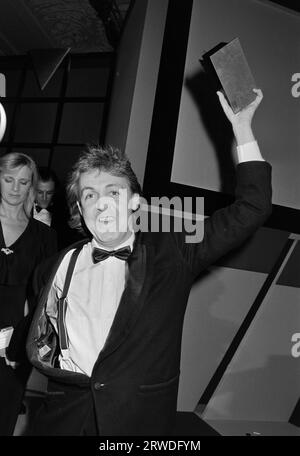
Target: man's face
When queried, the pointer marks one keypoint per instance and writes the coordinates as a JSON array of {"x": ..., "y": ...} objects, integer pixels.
[
  {"x": 105, "y": 206},
  {"x": 44, "y": 193}
]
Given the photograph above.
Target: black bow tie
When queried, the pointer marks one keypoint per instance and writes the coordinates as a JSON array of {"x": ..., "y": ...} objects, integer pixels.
[
  {"x": 39, "y": 208},
  {"x": 100, "y": 254}
]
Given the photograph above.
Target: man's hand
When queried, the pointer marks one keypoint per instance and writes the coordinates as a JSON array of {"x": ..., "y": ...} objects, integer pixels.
[{"x": 241, "y": 121}]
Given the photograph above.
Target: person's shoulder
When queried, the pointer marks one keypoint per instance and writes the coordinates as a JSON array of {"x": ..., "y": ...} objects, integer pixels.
[
  {"x": 68, "y": 250},
  {"x": 160, "y": 240},
  {"x": 40, "y": 227},
  {"x": 53, "y": 262}
]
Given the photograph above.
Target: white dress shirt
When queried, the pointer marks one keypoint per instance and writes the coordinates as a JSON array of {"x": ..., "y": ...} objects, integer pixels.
[
  {"x": 249, "y": 152},
  {"x": 93, "y": 299}
]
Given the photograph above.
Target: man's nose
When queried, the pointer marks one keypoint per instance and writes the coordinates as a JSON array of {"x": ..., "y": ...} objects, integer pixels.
[
  {"x": 104, "y": 203},
  {"x": 101, "y": 205}
]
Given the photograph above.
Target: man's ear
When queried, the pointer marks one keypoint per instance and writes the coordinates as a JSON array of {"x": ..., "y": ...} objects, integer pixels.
[
  {"x": 79, "y": 208},
  {"x": 134, "y": 202}
]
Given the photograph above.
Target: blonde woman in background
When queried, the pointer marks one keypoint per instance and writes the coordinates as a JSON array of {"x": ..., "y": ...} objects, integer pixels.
[{"x": 24, "y": 243}]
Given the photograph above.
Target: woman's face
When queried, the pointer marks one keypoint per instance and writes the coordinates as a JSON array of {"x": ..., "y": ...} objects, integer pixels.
[{"x": 15, "y": 184}]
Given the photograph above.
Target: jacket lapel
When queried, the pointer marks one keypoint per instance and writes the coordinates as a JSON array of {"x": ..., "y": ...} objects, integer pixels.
[{"x": 140, "y": 265}]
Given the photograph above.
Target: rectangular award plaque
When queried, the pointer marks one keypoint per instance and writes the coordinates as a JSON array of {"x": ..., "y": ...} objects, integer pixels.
[{"x": 234, "y": 74}]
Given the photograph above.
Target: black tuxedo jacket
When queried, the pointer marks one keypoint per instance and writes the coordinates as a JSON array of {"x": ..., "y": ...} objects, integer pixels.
[{"x": 134, "y": 383}]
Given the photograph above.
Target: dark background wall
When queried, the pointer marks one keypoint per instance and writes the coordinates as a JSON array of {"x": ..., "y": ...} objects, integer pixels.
[{"x": 52, "y": 125}]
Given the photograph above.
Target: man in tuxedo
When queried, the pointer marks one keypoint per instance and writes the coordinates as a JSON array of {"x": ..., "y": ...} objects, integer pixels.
[
  {"x": 50, "y": 207},
  {"x": 108, "y": 325}
]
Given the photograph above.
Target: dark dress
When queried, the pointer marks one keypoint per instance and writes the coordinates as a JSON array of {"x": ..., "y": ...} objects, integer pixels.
[{"x": 17, "y": 264}]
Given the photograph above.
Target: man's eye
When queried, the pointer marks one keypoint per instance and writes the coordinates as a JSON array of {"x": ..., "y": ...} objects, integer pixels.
[
  {"x": 24, "y": 182},
  {"x": 114, "y": 193},
  {"x": 89, "y": 196},
  {"x": 8, "y": 179}
]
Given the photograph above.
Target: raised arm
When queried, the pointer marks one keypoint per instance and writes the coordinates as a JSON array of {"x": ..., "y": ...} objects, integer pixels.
[{"x": 229, "y": 227}]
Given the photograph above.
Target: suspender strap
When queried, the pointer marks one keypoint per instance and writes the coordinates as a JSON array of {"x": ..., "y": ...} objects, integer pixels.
[{"x": 62, "y": 304}]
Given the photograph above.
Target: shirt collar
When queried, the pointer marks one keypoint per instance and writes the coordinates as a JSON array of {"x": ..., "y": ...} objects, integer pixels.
[
  {"x": 128, "y": 241},
  {"x": 41, "y": 209}
]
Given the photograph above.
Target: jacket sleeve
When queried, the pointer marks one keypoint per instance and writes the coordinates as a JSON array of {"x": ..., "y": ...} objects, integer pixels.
[{"x": 229, "y": 227}]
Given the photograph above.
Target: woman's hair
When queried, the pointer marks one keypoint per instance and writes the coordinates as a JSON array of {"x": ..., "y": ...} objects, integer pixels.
[
  {"x": 15, "y": 160},
  {"x": 95, "y": 157}
]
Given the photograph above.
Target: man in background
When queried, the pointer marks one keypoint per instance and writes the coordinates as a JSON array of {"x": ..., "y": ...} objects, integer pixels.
[
  {"x": 51, "y": 208},
  {"x": 46, "y": 187}
]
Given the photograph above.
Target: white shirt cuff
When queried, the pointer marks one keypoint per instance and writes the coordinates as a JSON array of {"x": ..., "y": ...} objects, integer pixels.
[{"x": 249, "y": 152}]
